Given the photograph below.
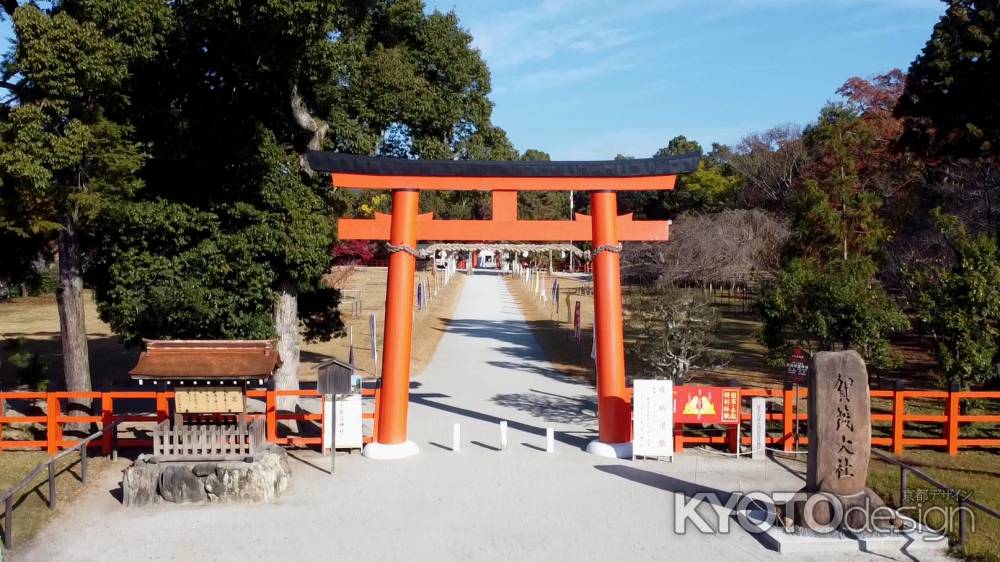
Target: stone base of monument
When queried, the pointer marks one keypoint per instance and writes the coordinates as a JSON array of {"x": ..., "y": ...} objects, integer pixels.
[
  {"x": 257, "y": 479},
  {"x": 778, "y": 533}
]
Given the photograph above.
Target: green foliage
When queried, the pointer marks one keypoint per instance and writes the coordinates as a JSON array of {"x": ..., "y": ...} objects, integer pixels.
[
  {"x": 950, "y": 105},
  {"x": 708, "y": 189},
  {"x": 228, "y": 216},
  {"x": 958, "y": 303},
  {"x": 542, "y": 205},
  {"x": 61, "y": 156},
  {"x": 31, "y": 369},
  {"x": 835, "y": 211},
  {"x": 677, "y": 146},
  {"x": 678, "y": 330},
  {"x": 819, "y": 306}
]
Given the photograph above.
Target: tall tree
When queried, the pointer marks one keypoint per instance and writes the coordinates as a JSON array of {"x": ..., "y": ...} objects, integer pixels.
[
  {"x": 835, "y": 212},
  {"x": 827, "y": 293},
  {"x": 542, "y": 205},
  {"x": 958, "y": 304},
  {"x": 951, "y": 111},
  {"x": 950, "y": 104},
  {"x": 241, "y": 90},
  {"x": 64, "y": 154}
]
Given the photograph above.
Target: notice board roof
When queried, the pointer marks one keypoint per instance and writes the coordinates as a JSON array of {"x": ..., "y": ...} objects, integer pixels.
[{"x": 207, "y": 359}]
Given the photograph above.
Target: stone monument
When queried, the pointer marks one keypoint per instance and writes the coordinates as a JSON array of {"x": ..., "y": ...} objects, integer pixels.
[{"x": 840, "y": 439}]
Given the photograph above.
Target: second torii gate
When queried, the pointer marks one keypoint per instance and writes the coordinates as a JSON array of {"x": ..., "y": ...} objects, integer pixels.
[{"x": 605, "y": 229}]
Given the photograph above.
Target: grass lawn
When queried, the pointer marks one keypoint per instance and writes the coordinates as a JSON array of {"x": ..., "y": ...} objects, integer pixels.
[
  {"x": 31, "y": 510},
  {"x": 368, "y": 284},
  {"x": 974, "y": 472},
  {"x": 555, "y": 330}
]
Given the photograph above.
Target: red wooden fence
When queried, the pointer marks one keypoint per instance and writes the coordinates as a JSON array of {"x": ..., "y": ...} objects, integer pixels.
[
  {"x": 54, "y": 419},
  {"x": 949, "y": 438}
]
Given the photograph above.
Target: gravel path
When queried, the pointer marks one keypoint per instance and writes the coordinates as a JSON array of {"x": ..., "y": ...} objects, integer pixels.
[{"x": 476, "y": 504}]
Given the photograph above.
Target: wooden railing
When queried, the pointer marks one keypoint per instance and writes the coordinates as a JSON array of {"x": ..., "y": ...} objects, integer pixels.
[
  {"x": 54, "y": 419},
  {"x": 890, "y": 424},
  {"x": 962, "y": 498},
  {"x": 50, "y": 465}
]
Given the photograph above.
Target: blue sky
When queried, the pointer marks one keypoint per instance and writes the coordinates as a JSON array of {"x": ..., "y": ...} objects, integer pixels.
[{"x": 587, "y": 79}]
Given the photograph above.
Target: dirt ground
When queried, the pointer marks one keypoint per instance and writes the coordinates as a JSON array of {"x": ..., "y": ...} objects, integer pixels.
[
  {"x": 737, "y": 335},
  {"x": 368, "y": 284}
]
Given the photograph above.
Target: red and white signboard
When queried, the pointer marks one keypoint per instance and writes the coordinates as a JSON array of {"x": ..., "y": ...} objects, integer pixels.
[
  {"x": 706, "y": 404},
  {"x": 797, "y": 368}
]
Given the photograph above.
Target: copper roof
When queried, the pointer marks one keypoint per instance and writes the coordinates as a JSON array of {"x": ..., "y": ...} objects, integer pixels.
[{"x": 207, "y": 359}]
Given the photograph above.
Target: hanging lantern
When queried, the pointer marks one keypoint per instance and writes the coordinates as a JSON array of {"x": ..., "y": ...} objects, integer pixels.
[
  {"x": 524, "y": 254},
  {"x": 563, "y": 254}
]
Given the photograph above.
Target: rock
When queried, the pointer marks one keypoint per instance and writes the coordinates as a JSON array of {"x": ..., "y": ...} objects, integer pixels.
[
  {"x": 840, "y": 442},
  {"x": 840, "y": 429},
  {"x": 139, "y": 485},
  {"x": 259, "y": 481},
  {"x": 179, "y": 485},
  {"x": 204, "y": 468}
]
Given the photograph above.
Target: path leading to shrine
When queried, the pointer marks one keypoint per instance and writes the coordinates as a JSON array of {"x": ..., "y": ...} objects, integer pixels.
[{"x": 478, "y": 504}]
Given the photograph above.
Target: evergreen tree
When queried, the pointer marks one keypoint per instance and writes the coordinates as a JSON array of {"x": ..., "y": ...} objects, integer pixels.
[
  {"x": 951, "y": 105},
  {"x": 959, "y": 305},
  {"x": 232, "y": 235},
  {"x": 66, "y": 154}
]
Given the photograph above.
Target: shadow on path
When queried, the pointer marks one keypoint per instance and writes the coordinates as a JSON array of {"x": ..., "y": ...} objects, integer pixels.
[
  {"x": 570, "y": 439},
  {"x": 551, "y": 407}
]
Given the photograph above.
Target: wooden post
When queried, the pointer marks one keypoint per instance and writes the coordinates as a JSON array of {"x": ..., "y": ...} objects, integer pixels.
[
  {"x": 52, "y": 485},
  {"x": 271, "y": 414},
  {"x": 107, "y": 418},
  {"x": 788, "y": 417},
  {"x": 898, "y": 418},
  {"x": 953, "y": 413},
  {"x": 162, "y": 407},
  {"x": 51, "y": 424}
]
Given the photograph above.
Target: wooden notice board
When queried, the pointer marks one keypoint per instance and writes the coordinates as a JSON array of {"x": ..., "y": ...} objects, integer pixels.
[{"x": 208, "y": 401}]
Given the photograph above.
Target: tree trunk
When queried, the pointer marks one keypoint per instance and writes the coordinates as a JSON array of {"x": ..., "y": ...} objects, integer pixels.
[
  {"x": 286, "y": 325},
  {"x": 73, "y": 333}
]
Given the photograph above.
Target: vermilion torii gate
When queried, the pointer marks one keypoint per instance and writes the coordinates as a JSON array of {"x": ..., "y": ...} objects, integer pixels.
[{"x": 605, "y": 229}]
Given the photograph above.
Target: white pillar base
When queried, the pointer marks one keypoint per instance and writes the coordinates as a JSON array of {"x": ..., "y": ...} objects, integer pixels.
[
  {"x": 390, "y": 452},
  {"x": 610, "y": 450}
]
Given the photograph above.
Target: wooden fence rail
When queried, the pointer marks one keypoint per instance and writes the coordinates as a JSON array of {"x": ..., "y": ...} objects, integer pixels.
[
  {"x": 146, "y": 408},
  {"x": 50, "y": 464},
  {"x": 892, "y": 418}
]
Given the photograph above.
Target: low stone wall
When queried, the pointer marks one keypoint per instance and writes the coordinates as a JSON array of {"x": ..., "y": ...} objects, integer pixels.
[{"x": 148, "y": 482}]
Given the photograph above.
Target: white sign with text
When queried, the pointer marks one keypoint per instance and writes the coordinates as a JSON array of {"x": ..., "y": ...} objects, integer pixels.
[{"x": 653, "y": 418}]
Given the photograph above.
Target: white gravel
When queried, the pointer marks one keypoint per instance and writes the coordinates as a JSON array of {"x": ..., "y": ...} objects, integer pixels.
[{"x": 478, "y": 504}]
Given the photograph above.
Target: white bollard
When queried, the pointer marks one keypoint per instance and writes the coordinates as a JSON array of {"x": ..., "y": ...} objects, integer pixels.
[
  {"x": 503, "y": 435},
  {"x": 456, "y": 437},
  {"x": 550, "y": 440},
  {"x": 758, "y": 427}
]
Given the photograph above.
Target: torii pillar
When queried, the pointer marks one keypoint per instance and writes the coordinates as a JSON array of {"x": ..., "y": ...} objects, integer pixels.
[
  {"x": 605, "y": 229},
  {"x": 614, "y": 411}
]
